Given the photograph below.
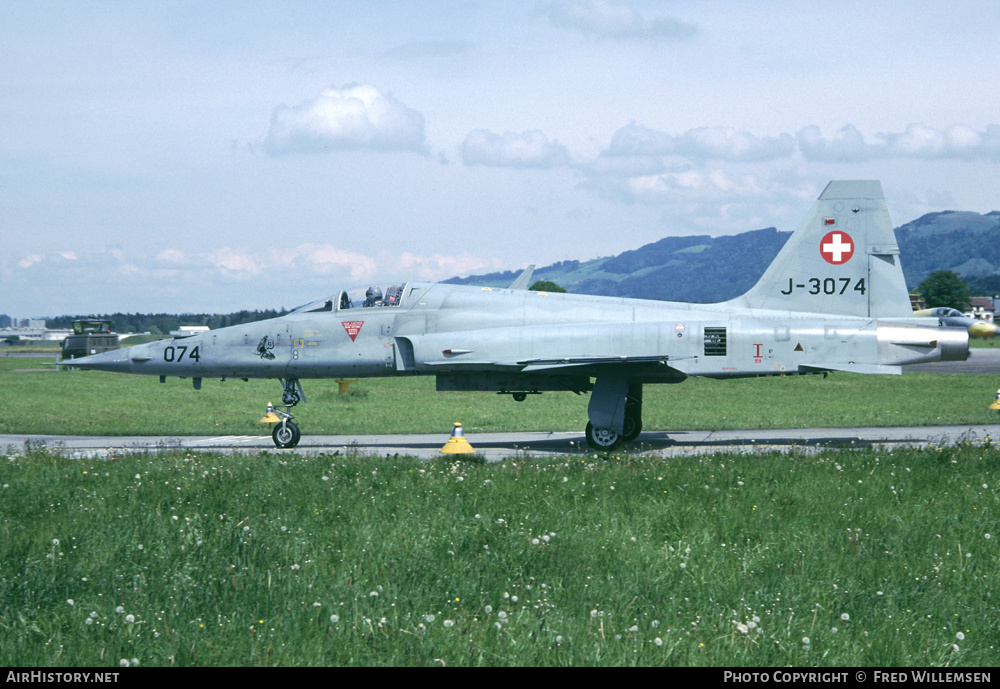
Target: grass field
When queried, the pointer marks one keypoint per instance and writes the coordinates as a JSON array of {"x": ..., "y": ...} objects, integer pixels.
[
  {"x": 98, "y": 403},
  {"x": 838, "y": 559},
  {"x": 842, "y": 559}
]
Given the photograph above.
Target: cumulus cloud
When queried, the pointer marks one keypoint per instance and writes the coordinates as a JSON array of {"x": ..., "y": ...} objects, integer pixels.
[
  {"x": 702, "y": 184},
  {"x": 211, "y": 281},
  {"x": 610, "y": 20},
  {"x": 523, "y": 150},
  {"x": 636, "y": 142},
  {"x": 702, "y": 143},
  {"x": 438, "y": 266},
  {"x": 350, "y": 118},
  {"x": 916, "y": 141},
  {"x": 314, "y": 259},
  {"x": 848, "y": 144},
  {"x": 722, "y": 143},
  {"x": 635, "y": 139}
]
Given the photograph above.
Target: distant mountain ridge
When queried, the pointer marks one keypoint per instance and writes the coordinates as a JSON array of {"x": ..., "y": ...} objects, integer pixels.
[{"x": 710, "y": 269}]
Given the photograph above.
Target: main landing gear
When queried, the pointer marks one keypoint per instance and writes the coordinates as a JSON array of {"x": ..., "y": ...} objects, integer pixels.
[
  {"x": 286, "y": 434},
  {"x": 614, "y": 401}
]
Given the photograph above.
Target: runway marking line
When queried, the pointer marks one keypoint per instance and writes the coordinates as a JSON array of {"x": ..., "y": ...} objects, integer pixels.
[{"x": 227, "y": 439}]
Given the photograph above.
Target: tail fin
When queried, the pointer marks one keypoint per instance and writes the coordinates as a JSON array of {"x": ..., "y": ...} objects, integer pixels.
[{"x": 842, "y": 260}]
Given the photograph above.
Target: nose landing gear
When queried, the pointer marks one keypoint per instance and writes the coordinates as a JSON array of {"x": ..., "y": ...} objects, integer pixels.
[{"x": 286, "y": 434}]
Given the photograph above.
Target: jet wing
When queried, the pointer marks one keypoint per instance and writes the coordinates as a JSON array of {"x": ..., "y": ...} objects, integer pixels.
[{"x": 566, "y": 362}]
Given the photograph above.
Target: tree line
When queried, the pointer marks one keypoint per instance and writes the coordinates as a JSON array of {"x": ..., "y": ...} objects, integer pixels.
[{"x": 163, "y": 323}]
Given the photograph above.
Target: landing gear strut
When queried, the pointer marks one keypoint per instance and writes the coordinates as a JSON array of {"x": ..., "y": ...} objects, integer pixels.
[{"x": 286, "y": 434}]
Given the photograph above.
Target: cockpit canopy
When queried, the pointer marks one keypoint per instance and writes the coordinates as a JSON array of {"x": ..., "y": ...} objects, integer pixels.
[
  {"x": 945, "y": 312},
  {"x": 373, "y": 296}
]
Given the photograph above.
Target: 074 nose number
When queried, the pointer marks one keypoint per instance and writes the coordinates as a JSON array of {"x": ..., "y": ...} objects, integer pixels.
[{"x": 175, "y": 354}]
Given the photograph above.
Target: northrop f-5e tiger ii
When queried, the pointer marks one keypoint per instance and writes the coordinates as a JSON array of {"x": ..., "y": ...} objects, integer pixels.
[{"x": 833, "y": 299}]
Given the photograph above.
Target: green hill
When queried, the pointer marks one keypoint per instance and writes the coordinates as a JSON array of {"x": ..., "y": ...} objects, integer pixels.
[{"x": 710, "y": 269}]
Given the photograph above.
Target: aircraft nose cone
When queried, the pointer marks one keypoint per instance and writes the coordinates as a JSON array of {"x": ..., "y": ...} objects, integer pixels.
[
  {"x": 116, "y": 360},
  {"x": 984, "y": 329}
]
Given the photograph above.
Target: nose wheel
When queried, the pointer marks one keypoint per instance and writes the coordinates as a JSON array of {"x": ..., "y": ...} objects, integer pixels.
[{"x": 286, "y": 434}]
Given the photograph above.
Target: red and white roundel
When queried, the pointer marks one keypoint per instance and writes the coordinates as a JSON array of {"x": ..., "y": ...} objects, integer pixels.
[{"x": 836, "y": 247}]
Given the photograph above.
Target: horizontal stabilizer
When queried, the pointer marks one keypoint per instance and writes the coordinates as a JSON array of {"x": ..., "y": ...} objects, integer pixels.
[{"x": 882, "y": 369}]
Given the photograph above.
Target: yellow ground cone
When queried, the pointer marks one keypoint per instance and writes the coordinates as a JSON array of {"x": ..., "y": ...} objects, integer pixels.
[
  {"x": 270, "y": 416},
  {"x": 457, "y": 444},
  {"x": 344, "y": 386}
]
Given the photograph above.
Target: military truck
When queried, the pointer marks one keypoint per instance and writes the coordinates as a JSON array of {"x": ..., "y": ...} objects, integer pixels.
[{"x": 90, "y": 336}]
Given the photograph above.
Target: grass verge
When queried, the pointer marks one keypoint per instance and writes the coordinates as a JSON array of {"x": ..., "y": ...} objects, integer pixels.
[{"x": 862, "y": 558}]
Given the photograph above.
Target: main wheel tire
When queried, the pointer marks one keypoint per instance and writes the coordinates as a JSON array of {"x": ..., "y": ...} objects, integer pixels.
[
  {"x": 603, "y": 439},
  {"x": 633, "y": 427},
  {"x": 286, "y": 435}
]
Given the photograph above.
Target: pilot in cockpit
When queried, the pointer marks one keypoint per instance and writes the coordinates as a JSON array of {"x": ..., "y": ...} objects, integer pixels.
[{"x": 373, "y": 297}]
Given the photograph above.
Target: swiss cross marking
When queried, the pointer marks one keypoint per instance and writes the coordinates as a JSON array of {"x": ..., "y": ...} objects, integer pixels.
[
  {"x": 836, "y": 248},
  {"x": 352, "y": 328}
]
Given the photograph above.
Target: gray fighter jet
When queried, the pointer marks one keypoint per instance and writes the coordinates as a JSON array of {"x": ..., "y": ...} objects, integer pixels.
[{"x": 833, "y": 299}]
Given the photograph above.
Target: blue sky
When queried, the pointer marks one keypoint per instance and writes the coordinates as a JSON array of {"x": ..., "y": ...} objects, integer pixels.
[{"x": 193, "y": 156}]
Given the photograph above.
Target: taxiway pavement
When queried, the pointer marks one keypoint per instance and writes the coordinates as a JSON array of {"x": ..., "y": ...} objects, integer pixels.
[{"x": 498, "y": 446}]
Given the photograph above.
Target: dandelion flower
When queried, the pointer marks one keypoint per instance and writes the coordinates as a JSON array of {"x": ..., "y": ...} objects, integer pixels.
[
  {"x": 960, "y": 636},
  {"x": 845, "y": 617},
  {"x": 488, "y": 609},
  {"x": 805, "y": 640},
  {"x": 449, "y": 623},
  {"x": 69, "y": 601},
  {"x": 130, "y": 618},
  {"x": 429, "y": 618},
  {"x": 120, "y": 609},
  {"x": 334, "y": 619},
  {"x": 658, "y": 641}
]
